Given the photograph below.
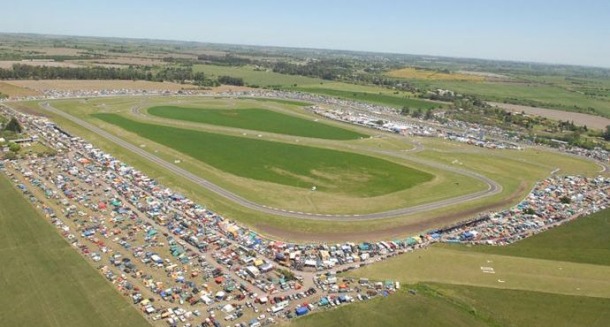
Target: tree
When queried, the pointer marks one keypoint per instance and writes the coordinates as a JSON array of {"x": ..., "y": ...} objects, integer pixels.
[
  {"x": 405, "y": 111},
  {"x": 428, "y": 114},
  {"x": 14, "y": 126},
  {"x": 417, "y": 113},
  {"x": 14, "y": 147},
  {"x": 606, "y": 134},
  {"x": 228, "y": 80}
]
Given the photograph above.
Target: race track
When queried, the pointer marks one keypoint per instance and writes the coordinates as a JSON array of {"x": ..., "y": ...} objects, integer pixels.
[{"x": 492, "y": 187}]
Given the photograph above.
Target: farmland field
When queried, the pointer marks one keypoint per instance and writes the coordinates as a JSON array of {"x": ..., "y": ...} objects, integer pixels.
[
  {"x": 542, "y": 95},
  {"x": 287, "y": 164},
  {"x": 581, "y": 119},
  {"x": 255, "y": 77},
  {"x": 391, "y": 100},
  {"x": 64, "y": 85},
  {"x": 50, "y": 284},
  {"x": 256, "y": 119},
  {"x": 426, "y": 74}
]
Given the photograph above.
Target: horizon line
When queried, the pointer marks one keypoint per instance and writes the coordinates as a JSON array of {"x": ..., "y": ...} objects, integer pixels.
[{"x": 308, "y": 48}]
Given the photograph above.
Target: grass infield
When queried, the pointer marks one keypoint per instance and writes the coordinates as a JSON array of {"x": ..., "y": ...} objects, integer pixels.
[
  {"x": 256, "y": 119},
  {"x": 294, "y": 165}
]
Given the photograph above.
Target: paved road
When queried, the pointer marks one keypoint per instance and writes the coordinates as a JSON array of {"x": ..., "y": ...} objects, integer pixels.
[{"x": 492, "y": 187}]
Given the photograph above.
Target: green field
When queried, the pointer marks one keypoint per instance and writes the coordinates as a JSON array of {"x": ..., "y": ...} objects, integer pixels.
[
  {"x": 453, "y": 305},
  {"x": 44, "y": 281},
  {"x": 257, "y": 119},
  {"x": 287, "y": 164},
  {"x": 540, "y": 94},
  {"x": 391, "y": 100},
  {"x": 401, "y": 309},
  {"x": 255, "y": 77},
  {"x": 585, "y": 240}
]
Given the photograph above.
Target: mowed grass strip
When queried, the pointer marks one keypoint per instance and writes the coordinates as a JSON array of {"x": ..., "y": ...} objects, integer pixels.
[
  {"x": 585, "y": 240},
  {"x": 256, "y": 119},
  {"x": 384, "y": 99},
  {"x": 44, "y": 282},
  {"x": 293, "y": 165}
]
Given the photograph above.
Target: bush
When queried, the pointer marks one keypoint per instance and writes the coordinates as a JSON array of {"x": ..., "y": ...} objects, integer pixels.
[{"x": 14, "y": 126}]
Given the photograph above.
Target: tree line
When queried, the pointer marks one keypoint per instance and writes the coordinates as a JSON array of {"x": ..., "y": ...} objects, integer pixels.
[{"x": 171, "y": 74}]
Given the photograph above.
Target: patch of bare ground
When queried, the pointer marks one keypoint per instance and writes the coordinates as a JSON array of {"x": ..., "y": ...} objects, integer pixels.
[
  {"x": 125, "y": 61},
  {"x": 8, "y": 64},
  {"x": 74, "y": 85},
  {"x": 52, "y": 51},
  {"x": 591, "y": 121},
  {"x": 15, "y": 91},
  {"x": 406, "y": 229},
  {"x": 230, "y": 88}
]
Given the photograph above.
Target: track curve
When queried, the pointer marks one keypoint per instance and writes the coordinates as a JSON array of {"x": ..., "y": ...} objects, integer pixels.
[{"x": 492, "y": 187}]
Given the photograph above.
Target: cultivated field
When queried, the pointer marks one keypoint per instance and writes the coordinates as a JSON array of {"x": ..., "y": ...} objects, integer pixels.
[
  {"x": 256, "y": 77},
  {"x": 392, "y": 100},
  {"x": 44, "y": 281},
  {"x": 543, "y": 95},
  {"x": 74, "y": 85},
  {"x": 426, "y": 74},
  {"x": 319, "y": 86},
  {"x": 591, "y": 121},
  {"x": 8, "y": 64}
]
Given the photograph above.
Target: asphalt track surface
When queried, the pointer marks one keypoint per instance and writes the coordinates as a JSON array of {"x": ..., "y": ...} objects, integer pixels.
[{"x": 492, "y": 187}]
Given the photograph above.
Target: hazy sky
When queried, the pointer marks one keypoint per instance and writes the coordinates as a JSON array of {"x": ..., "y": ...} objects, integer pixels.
[{"x": 553, "y": 31}]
